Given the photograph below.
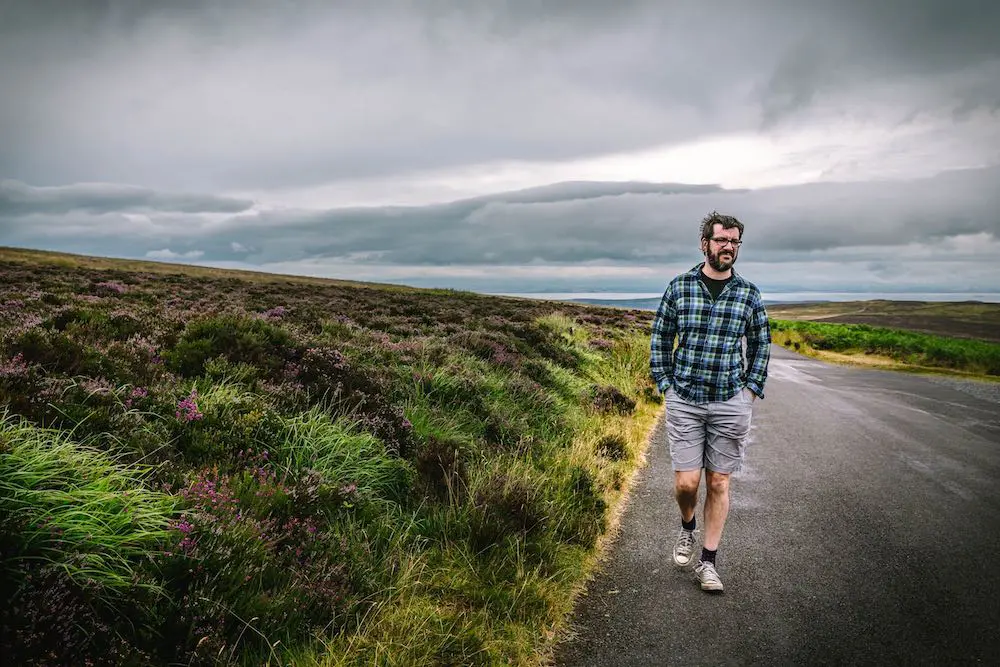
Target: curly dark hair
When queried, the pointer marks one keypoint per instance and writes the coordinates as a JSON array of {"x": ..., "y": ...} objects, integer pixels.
[{"x": 727, "y": 222}]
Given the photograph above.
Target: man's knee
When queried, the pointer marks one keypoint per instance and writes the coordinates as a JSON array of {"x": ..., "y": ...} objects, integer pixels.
[
  {"x": 716, "y": 482},
  {"x": 686, "y": 483}
]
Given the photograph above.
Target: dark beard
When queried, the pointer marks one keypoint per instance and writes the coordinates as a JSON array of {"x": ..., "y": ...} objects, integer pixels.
[{"x": 718, "y": 264}]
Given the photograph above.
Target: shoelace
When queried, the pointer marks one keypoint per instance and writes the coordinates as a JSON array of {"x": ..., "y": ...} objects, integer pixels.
[
  {"x": 707, "y": 571},
  {"x": 686, "y": 539}
]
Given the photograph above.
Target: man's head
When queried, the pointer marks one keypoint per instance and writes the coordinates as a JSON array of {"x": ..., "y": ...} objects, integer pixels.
[{"x": 720, "y": 240}]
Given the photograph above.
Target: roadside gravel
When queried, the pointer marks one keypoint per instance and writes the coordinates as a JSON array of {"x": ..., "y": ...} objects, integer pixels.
[{"x": 982, "y": 389}]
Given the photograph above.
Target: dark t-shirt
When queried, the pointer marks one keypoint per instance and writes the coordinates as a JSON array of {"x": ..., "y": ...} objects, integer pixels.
[{"x": 714, "y": 286}]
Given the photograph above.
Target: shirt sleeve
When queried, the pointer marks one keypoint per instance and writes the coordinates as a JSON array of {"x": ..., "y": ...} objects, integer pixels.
[
  {"x": 661, "y": 345},
  {"x": 758, "y": 333}
]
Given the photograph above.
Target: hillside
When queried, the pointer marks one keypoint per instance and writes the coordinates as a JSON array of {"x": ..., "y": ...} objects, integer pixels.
[{"x": 200, "y": 466}]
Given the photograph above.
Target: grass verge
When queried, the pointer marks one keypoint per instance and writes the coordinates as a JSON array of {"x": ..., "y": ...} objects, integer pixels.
[{"x": 889, "y": 348}]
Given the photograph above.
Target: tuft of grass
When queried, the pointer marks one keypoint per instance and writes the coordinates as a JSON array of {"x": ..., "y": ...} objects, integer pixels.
[
  {"x": 339, "y": 450},
  {"x": 78, "y": 509}
]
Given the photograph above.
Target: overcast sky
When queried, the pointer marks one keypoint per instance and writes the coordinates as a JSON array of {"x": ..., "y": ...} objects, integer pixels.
[{"x": 509, "y": 146}]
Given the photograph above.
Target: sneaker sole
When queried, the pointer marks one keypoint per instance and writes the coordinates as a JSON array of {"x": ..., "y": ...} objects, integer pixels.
[{"x": 710, "y": 587}]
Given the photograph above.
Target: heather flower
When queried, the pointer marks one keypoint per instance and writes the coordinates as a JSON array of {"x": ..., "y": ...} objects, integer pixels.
[
  {"x": 183, "y": 526},
  {"x": 24, "y": 323},
  {"x": 142, "y": 344},
  {"x": 601, "y": 344},
  {"x": 404, "y": 346},
  {"x": 187, "y": 408},
  {"x": 137, "y": 393},
  {"x": 111, "y": 286},
  {"x": 13, "y": 304},
  {"x": 502, "y": 356},
  {"x": 98, "y": 386},
  {"x": 14, "y": 368},
  {"x": 275, "y": 313}
]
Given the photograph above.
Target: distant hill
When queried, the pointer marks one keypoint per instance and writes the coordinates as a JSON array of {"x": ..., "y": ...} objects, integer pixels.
[
  {"x": 639, "y": 304},
  {"x": 646, "y": 304}
]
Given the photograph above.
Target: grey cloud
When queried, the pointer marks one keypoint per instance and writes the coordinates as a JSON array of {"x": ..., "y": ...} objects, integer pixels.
[
  {"x": 227, "y": 94},
  {"x": 626, "y": 223},
  {"x": 559, "y": 223},
  {"x": 856, "y": 44},
  {"x": 20, "y": 199}
]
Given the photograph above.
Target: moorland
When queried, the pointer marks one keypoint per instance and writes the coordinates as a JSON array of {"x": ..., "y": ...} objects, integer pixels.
[{"x": 205, "y": 467}]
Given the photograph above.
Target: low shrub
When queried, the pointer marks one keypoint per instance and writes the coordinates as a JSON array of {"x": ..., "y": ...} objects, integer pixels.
[
  {"x": 237, "y": 339},
  {"x": 442, "y": 469},
  {"x": 56, "y": 353},
  {"x": 610, "y": 399},
  {"x": 505, "y": 505},
  {"x": 612, "y": 446}
]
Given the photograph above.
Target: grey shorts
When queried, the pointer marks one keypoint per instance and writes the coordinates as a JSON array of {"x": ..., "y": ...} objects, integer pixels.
[{"x": 710, "y": 435}]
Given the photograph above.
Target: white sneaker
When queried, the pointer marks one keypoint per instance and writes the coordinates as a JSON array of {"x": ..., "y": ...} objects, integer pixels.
[
  {"x": 708, "y": 577},
  {"x": 684, "y": 547}
]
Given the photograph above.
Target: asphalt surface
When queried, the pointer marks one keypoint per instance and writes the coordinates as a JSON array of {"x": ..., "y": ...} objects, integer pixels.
[{"x": 864, "y": 529}]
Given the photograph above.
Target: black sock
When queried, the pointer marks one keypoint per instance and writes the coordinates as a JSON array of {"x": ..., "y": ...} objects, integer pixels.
[
  {"x": 708, "y": 556},
  {"x": 688, "y": 525}
]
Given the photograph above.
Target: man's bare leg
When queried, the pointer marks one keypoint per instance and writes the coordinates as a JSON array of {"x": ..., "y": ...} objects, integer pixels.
[
  {"x": 716, "y": 507},
  {"x": 686, "y": 489}
]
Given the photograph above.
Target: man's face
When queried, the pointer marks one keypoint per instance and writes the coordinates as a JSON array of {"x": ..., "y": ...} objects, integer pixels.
[{"x": 720, "y": 253}]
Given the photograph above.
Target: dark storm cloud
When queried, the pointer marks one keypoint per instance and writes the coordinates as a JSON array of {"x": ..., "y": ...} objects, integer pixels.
[
  {"x": 227, "y": 94},
  {"x": 853, "y": 44}
]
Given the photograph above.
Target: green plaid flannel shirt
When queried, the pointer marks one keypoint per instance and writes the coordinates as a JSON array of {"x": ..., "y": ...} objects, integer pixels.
[{"x": 707, "y": 364}]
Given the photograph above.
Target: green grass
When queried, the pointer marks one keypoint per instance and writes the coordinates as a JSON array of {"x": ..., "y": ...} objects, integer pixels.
[
  {"x": 493, "y": 579},
  {"x": 77, "y": 509},
  {"x": 910, "y": 348}
]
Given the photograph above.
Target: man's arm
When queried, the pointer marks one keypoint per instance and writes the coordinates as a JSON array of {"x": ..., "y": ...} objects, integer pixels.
[
  {"x": 758, "y": 333},
  {"x": 661, "y": 344}
]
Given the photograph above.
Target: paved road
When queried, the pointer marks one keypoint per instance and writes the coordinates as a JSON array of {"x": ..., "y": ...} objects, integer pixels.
[{"x": 865, "y": 529}]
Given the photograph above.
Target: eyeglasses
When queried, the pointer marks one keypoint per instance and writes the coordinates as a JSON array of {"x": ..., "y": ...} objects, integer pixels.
[{"x": 722, "y": 242}]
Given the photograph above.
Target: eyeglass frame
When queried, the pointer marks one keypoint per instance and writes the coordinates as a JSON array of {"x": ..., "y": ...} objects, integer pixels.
[{"x": 722, "y": 243}]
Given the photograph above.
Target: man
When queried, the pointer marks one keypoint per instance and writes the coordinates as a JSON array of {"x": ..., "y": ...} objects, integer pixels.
[{"x": 708, "y": 393}]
